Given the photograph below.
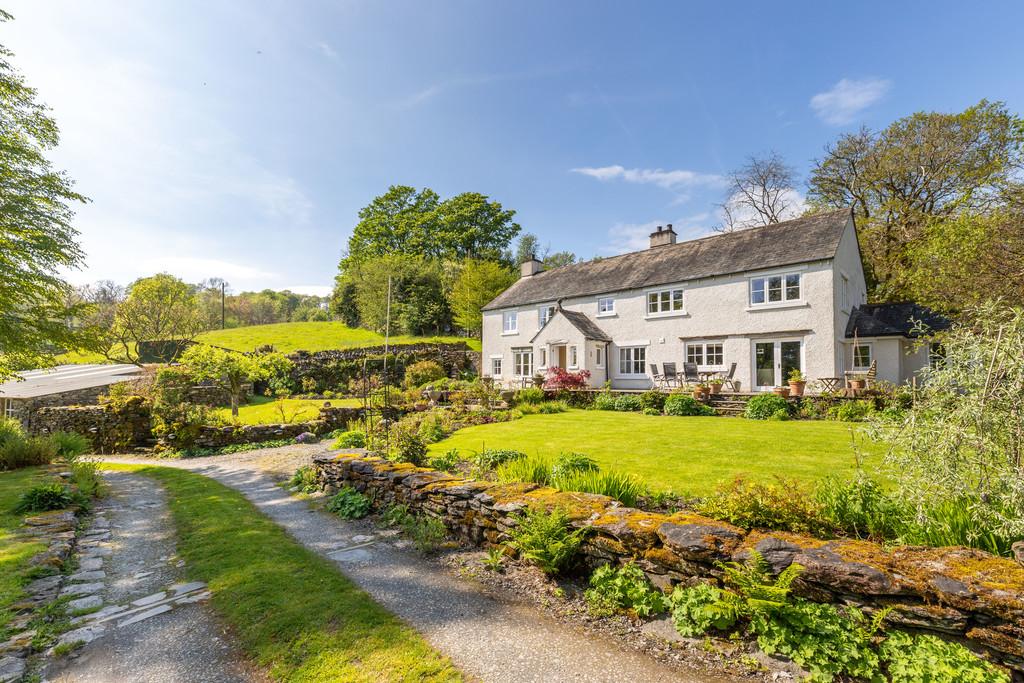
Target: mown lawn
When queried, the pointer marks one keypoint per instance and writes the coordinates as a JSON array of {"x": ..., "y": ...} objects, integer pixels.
[
  {"x": 310, "y": 336},
  {"x": 292, "y": 611},
  {"x": 15, "y": 553},
  {"x": 681, "y": 454},
  {"x": 262, "y": 410}
]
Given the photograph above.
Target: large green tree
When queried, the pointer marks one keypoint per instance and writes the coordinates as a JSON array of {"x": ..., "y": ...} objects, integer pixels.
[
  {"x": 37, "y": 239},
  {"x": 477, "y": 283},
  {"x": 418, "y": 304},
  {"x": 925, "y": 167}
]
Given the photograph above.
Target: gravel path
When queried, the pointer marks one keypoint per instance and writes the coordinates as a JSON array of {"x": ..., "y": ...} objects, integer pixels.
[
  {"x": 164, "y": 637},
  {"x": 488, "y": 639}
]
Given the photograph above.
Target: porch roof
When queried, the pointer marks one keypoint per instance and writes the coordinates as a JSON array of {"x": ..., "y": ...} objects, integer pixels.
[{"x": 587, "y": 327}]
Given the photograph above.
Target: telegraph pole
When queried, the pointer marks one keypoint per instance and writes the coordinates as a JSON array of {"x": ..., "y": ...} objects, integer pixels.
[{"x": 222, "y": 285}]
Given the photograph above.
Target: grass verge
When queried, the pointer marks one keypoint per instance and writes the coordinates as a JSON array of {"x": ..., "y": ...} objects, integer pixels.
[
  {"x": 291, "y": 610},
  {"x": 15, "y": 552}
]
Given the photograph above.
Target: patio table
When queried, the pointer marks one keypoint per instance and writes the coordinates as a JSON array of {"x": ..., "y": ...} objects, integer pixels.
[{"x": 830, "y": 383}]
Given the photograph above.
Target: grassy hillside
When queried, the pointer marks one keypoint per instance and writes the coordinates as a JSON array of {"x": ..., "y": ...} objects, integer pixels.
[
  {"x": 288, "y": 337},
  {"x": 310, "y": 336}
]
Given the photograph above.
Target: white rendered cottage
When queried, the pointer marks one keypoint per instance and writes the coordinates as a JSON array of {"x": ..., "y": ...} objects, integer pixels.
[{"x": 771, "y": 300}]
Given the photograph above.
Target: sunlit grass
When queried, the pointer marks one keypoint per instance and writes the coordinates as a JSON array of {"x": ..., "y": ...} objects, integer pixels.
[
  {"x": 262, "y": 410},
  {"x": 15, "y": 552}
]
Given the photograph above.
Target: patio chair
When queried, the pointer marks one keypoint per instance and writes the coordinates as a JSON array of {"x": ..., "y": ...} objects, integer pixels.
[
  {"x": 671, "y": 377},
  {"x": 871, "y": 374},
  {"x": 728, "y": 380},
  {"x": 655, "y": 375},
  {"x": 690, "y": 373}
]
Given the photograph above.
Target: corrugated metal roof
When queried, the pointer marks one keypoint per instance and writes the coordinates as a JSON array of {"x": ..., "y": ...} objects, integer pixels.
[
  {"x": 811, "y": 238},
  {"x": 63, "y": 378}
]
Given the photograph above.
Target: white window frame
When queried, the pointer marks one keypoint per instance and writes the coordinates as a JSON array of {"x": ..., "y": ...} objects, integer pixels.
[
  {"x": 522, "y": 359},
  {"x": 844, "y": 293},
  {"x": 9, "y": 408},
  {"x": 765, "y": 281},
  {"x": 543, "y": 357},
  {"x": 675, "y": 296},
  {"x": 633, "y": 356},
  {"x": 599, "y": 356},
  {"x": 496, "y": 366},
  {"x": 605, "y": 306},
  {"x": 705, "y": 355},
  {"x": 574, "y": 358},
  {"x": 853, "y": 355},
  {"x": 541, "y": 319},
  {"x": 510, "y": 322}
]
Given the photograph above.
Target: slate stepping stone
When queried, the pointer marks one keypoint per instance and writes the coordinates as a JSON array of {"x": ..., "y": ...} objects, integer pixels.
[
  {"x": 182, "y": 588},
  {"x": 106, "y": 612},
  {"x": 361, "y": 538},
  {"x": 195, "y": 597},
  {"x": 150, "y": 599},
  {"x": 80, "y": 577},
  {"x": 90, "y": 564},
  {"x": 44, "y": 585},
  {"x": 98, "y": 551},
  {"x": 88, "y": 602},
  {"x": 11, "y": 669},
  {"x": 85, "y": 634},
  {"x": 82, "y": 589},
  {"x": 144, "y": 615}
]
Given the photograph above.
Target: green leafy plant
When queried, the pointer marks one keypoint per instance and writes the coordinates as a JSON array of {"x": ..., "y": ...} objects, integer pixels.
[
  {"x": 348, "y": 503},
  {"x": 652, "y": 401},
  {"x": 528, "y": 396},
  {"x": 604, "y": 401},
  {"x": 304, "y": 479},
  {"x": 70, "y": 444},
  {"x": 10, "y": 429},
  {"x": 624, "y": 487},
  {"x": 394, "y": 515},
  {"x": 766, "y": 407},
  {"x": 495, "y": 560},
  {"x": 570, "y": 463},
  {"x": 681, "y": 405},
  {"x": 492, "y": 458},
  {"x": 350, "y": 439},
  {"x": 447, "y": 461},
  {"x": 20, "y": 451},
  {"x": 43, "y": 497},
  {"x": 409, "y": 446},
  {"x": 695, "y": 610},
  {"x": 859, "y": 506},
  {"x": 782, "y": 506},
  {"x": 423, "y": 372},
  {"x": 546, "y": 539},
  {"x": 613, "y": 589},
  {"x": 851, "y": 411},
  {"x": 85, "y": 473},
  {"x": 552, "y": 407},
  {"x": 426, "y": 533},
  {"x": 628, "y": 403},
  {"x": 535, "y": 469},
  {"x": 911, "y": 658}
]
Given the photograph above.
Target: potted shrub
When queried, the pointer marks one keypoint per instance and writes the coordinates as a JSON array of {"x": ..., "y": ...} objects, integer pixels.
[
  {"x": 716, "y": 385},
  {"x": 538, "y": 381},
  {"x": 797, "y": 383},
  {"x": 781, "y": 391},
  {"x": 857, "y": 384},
  {"x": 699, "y": 391}
]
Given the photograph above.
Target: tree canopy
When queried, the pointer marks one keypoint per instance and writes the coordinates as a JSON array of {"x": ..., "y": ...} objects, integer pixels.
[
  {"x": 477, "y": 283},
  {"x": 925, "y": 167},
  {"x": 36, "y": 235}
]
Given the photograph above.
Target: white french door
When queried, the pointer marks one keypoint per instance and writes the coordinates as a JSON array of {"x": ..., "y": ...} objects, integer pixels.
[{"x": 774, "y": 360}]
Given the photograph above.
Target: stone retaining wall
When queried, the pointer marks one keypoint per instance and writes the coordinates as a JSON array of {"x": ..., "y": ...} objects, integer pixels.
[
  {"x": 216, "y": 437},
  {"x": 111, "y": 430},
  {"x": 957, "y": 593},
  {"x": 333, "y": 369}
]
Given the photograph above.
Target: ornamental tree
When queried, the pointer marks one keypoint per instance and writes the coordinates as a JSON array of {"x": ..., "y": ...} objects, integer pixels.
[{"x": 234, "y": 370}]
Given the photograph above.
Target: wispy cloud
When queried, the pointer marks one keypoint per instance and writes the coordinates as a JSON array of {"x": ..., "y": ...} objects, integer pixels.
[
  {"x": 626, "y": 237},
  {"x": 669, "y": 180},
  {"x": 842, "y": 103},
  {"x": 326, "y": 50},
  {"x": 445, "y": 85}
]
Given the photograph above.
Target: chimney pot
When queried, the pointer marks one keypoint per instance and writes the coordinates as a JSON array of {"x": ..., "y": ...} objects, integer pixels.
[
  {"x": 663, "y": 236},
  {"x": 531, "y": 267}
]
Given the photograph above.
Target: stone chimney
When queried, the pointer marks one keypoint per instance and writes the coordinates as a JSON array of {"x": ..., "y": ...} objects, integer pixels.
[
  {"x": 531, "y": 267},
  {"x": 663, "y": 236}
]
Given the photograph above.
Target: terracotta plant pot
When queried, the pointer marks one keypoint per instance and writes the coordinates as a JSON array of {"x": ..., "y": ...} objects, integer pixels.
[
  {"x": 716, "y": 388},
  {"x": 857, "y": 384},
  {"x": 797, "y": 388},
  {"x": 698, "y": 393},
  {"x": 781, "y": 391}
]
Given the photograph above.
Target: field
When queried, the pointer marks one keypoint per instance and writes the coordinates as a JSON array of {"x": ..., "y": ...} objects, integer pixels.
[
  {"x": 262, "y": 410},
  {"x": 681, "y": 454},
  {"x": 288, "y": 337},
  {"x": 309, "y": 336}
]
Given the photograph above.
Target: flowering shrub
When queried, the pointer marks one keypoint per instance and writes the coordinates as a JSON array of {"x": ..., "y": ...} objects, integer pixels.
[{"x": 559, "y": 378}]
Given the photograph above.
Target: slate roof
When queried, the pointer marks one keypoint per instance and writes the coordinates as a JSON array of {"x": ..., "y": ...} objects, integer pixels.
[
  {"x": 813, "y": 238},
  {"x": 893, "y": 320},
  {"x": 35, "y": 383},
  {"x": 585, "y": 325}
]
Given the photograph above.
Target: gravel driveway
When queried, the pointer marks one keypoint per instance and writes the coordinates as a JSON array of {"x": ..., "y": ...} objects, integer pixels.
[{"x": 488, "y": 639}]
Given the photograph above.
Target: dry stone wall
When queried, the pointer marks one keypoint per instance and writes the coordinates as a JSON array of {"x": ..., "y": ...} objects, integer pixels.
[
  {"x": 957, "y": 593},
  {"x": 110, "y": 429},
  {"x": 330, "y": 418}
]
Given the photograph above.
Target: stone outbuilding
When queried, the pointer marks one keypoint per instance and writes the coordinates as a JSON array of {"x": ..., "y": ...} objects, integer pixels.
[{"x": 64, "y": 385}]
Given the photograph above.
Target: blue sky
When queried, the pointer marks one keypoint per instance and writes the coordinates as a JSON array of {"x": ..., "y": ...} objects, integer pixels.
[{"x": 239, "y": 139}]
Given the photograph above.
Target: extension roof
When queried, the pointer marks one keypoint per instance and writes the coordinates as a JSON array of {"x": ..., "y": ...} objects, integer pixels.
[
  {"x": 35, "y": 383},
  {"x": 893, "y": 320},
  {"x": 812, "y": 238}
]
